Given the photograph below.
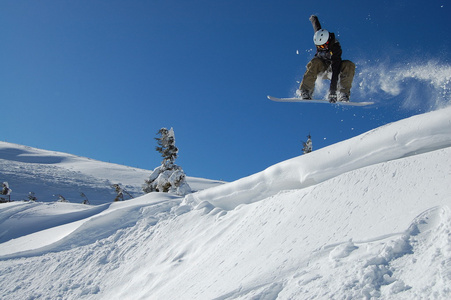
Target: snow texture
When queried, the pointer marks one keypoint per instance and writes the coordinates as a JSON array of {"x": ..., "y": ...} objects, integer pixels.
[{"x": 367, "y": 218}]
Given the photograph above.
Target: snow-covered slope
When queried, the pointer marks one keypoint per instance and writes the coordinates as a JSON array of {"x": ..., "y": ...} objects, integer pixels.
[
  {"x": 408, "y": 137},
  {"x": 367, "y": 217},
  {"x": 50, "y": 173}
]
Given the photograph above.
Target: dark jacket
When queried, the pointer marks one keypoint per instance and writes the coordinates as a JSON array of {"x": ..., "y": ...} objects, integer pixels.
[{"x": 331, "y": 55}]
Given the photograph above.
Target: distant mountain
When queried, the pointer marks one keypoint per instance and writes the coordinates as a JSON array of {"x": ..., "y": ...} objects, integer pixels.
[{"x": 50, "y": 173}]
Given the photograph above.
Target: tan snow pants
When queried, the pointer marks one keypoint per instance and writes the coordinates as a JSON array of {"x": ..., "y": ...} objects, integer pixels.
[{"x": 317, "y": 67}]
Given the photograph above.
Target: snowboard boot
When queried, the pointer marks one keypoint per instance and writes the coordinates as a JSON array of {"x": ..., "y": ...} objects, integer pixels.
[
  {"x": 332, "y": 97},
  {"x": 304, "y": 94},
  {"x": 343, "y": 97}
]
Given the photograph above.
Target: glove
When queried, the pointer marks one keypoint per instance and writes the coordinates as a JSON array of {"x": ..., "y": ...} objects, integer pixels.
[
  {"x": 332, "y": 97},
  {"x": 312, "y": 17}
]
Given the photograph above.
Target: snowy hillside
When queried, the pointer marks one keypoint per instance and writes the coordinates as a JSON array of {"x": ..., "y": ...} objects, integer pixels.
[
  {"x": 50, "y": 173},
  {"x": 367, "y": 217}
]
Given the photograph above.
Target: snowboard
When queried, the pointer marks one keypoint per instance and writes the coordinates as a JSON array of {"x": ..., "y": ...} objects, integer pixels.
[{"x": 295, "y": 99}]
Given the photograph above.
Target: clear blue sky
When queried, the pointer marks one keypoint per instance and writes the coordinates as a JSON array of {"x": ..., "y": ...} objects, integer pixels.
[{"x": 100, "y": 78}]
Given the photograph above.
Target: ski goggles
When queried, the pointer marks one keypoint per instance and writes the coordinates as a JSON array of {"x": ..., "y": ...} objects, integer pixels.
[{"x": 323, "y": 46}]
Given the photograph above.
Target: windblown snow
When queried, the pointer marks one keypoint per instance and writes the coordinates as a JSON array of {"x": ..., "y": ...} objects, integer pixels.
[{"x": 369, "y": 217}]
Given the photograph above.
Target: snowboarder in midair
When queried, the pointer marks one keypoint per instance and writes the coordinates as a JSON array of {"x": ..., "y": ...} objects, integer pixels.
[{"x": 328, "y": 64}]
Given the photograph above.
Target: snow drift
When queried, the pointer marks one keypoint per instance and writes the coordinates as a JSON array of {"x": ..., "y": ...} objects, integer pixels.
[
  {"x": 411, "y": 136},
  {"x": 369, "y": 217}
]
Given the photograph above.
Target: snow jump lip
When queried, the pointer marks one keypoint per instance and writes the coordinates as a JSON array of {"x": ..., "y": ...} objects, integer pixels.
[{"x": 414, "y": 135}]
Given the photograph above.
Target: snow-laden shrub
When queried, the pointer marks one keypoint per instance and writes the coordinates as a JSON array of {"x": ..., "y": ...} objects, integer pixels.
[{"x": 168, "y": 177}]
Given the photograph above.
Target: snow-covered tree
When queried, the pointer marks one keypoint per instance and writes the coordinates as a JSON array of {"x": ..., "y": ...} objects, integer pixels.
[
  {"x": 166, "y": 146},
  {"x": 168, "y": 177},
  {"x": 308, "y": 145},
  {"x": 32, "y": 196},
  {"x": 5, "y": 191},
  {"x": 61, "y": 199},
  {"x": 120, "y": 191},
  {"x": 85, "y": 199}
]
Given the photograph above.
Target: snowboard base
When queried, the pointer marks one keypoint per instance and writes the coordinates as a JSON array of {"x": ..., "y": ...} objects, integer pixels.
[{"x": 296, "y": 99}]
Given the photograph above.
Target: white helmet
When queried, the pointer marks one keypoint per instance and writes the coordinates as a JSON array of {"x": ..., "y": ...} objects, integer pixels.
[{"x": 321, "y": 37}]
